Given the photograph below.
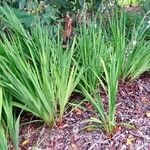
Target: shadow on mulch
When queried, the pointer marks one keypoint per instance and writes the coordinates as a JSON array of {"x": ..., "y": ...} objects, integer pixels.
[{"x": 133, "y": 105}]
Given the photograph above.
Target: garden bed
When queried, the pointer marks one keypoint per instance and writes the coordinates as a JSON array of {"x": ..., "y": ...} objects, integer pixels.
[
  {"x": 82, "y": 87},
  {"x": 133, "y": 107}
]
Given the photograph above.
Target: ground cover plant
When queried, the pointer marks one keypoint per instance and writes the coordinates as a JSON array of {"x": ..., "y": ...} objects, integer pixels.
[
  {"x": 9, "y": 125},
  {"x": 35, "y": 57},
  {"x": 91, "y": 47},
  {"x": 109, "y": 60},
  {"x": 136, "y": 50},
  {"x": 40, "y": 76}
]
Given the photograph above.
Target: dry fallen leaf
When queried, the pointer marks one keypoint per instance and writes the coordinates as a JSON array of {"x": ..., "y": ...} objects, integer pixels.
[
  {"x": 68, "y": 28},
  {"x": 130, "y": 140},
  {"x": 91, "y": 128},
  {"x": 148, "y": 114},
  {"x": 118, "y": 128},
  {"x": 78, "y": 111},
  {"x": 89, "y": 106},
  {"x": 74, "y": 147},
  {"x": 25, "y": 142},
  {"x": 144, "y": 99},
  {"x": 62, "y": 126}
]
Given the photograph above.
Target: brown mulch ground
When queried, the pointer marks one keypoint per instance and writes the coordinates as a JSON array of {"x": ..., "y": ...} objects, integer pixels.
[{"x": 133, "y": 106}]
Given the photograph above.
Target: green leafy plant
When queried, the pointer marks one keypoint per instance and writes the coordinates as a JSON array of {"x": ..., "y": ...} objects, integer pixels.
[
  {"x": 91, "y": 47},
  {"x": 3, "y": 141},
  {"x": 9, "y": 125},
  {"x": 12, "y": 124},
  {"x": 106, "y": 121},
  {"x": 131, "y": 44},
  {"x": 126, "y": 59},
  {"x": 145, "y": 6},
  {"x": 111, "y": 65},
  {"x": 1, "y": 102},
  {"x": 137, "y": 53},
  {"x": 26, "y": 19},
  {"x": 137, "y": 62},
  {"x": 38, "y": 71}
]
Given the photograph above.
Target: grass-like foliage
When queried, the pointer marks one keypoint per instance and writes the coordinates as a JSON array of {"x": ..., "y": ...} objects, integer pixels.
[
  {"x": 127, "y": 58},
  {"x": 137, "y": 61},
  {"x": 91, "y": 47},
  {"x": 9, "y": 124},
  {"x": 37, "y": 70},
  {"x": 110, "y": 73},
  {"x": 106, "y": 120},
  {"x": 137, "y": 51},
  {"x": 145, "y": 5},
  {"x": 1, "y": 102},
  {"x": 3, "y": 141}
]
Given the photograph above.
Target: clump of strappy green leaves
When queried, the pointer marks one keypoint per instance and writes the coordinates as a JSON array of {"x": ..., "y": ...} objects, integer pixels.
[
  {"x": 37, "y": 70},
  {"x": 110, "y": 54}
]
